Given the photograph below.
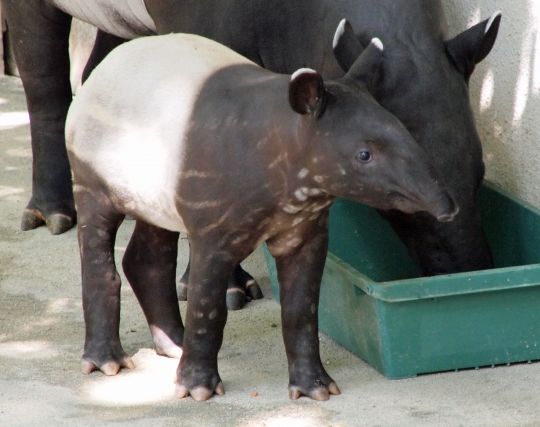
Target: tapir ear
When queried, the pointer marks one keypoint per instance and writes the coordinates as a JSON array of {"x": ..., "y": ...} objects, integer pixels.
[
  {"x": 307, "y": 92},
  {"x": 361, "y": 64},
  {"x": 366, "y": 67},
  {"x": 347, "y": 48},
  {"x": 473, "y": 45}
]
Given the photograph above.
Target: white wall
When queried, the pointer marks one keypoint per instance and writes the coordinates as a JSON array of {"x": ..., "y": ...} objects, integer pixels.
[{"x": 505, "y": 92}]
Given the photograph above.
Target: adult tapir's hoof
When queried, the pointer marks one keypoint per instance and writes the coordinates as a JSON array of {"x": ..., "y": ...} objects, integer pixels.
[
  {"x": 317, "y": 392},
  {"x": 182, "y": 290},
  {"x": 110, "y": 367},
  {"x": 57, "y": 222},
  {"x": 253, "y": 290},
  {"x": 236, "y": 298},
  {"x": 242, "y": 288}
]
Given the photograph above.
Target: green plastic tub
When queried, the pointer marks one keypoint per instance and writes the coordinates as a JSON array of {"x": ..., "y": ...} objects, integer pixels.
[{"x": 373, "y": 303}]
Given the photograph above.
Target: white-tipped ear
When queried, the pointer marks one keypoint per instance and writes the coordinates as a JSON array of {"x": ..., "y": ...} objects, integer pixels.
[
  {"x": 494, "y": 17},
  {"x": 473, "y": 45},
  {"x": 346, "y": 46},
  {"x": 339, "y": 33},
  {"x": 377, "y": 43},
  {"x": 306, "y": 92},
  {"x": 366, "y": 67}
]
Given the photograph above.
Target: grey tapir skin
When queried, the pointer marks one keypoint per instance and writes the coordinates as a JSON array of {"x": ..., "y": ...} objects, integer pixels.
[
  {"x": 238, "y": 156},
  {"x": 423, "y": 82}
]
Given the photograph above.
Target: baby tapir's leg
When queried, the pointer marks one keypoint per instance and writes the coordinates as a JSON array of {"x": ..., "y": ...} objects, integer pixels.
[
  {"x": 205, "y": 319},
  {"x": 300, "y": 276},
  {"x": 97, "y": 226},
  {"x": 150, "y": 267},
  {"x": 241, "y": 288}
]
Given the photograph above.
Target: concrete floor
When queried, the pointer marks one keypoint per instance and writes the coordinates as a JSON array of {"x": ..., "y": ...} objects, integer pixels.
[{"x": 41, "y": 339}]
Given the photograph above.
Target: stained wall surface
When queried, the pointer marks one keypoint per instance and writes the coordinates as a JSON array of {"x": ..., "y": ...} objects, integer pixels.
[{"x": 505, "y": 92}]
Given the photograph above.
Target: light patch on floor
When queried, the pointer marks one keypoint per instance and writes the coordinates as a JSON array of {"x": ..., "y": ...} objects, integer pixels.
[
  {"x": 152, "y": 380},
  {"x": 27, "y": 350},
  {"x": 6, "y": 191},
  {"x": 19, "y": 152},
  {"x": 63, "y": 305},
  {"x": 13, "y": 120}
]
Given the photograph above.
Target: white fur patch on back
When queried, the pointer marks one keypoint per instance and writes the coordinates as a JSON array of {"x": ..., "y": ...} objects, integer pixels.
[
  {"x": 123, "y": 18},
  {"x": 129, "y": 120}
]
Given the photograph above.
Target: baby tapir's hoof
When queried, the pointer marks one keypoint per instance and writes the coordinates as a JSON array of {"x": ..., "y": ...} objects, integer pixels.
[
  {"x": 319, "y": 392},
  {"x": 109, "y": 358},
  {"x": 168, "y": 345},
  {"x": 109, "y": 367},
  {"x": 198, "y": 379},
  {"x": 310, "y": 381},
  {"x": 200, "y": 392}
]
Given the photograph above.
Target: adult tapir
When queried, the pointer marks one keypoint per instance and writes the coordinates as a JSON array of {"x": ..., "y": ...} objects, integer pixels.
[
  {"x": 424, "y": 82},
  {"x": 186, "y": 135}
]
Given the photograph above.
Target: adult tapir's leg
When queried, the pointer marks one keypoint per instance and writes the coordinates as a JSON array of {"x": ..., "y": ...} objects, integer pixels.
[
  {"x": 97, "y": 226},
  {"x": 300, "y": 279},
  {"x": 40, "y": 42},
  {"x": 205, "y": 319},
  {"x": 241, "y": 288},
  {"x": 150, "y": 267},
  {"x": 102, "y": 46}
]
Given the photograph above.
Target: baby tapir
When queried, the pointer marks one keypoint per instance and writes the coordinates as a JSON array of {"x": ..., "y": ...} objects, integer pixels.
[{"x": 195, "y": 138}]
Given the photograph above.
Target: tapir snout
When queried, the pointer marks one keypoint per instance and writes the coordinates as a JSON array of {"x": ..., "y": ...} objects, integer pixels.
[
  {"x": 442, "y": 206},
  {"x": 430, "y": 191},
  {"x": 445, "y": 208},
  {"x": 428, "y": 195}
]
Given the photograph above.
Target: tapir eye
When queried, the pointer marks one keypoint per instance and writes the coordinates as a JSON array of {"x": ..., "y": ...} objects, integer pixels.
[{"x": 363, "y": 156}]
